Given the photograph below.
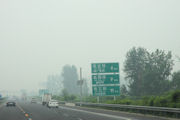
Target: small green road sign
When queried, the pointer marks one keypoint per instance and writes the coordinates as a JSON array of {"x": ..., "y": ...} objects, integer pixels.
[
  {"x": 43, "y": 91},
  {"x": 105, "y": 67},
  {"x": 106, "y": 90},
  {"x": 105, "y": 79}
]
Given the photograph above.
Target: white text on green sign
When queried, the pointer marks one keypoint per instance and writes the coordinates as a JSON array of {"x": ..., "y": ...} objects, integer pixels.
[
  {"x": 105, "y": 67},
  {"x": 105, "y": 79},
  {"x": 106, "y": 90}
]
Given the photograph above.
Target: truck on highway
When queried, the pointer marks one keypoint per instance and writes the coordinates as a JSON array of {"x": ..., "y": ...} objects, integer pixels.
[
  {"x": 24, "y": 97},
  {"x": 46, "y": 98}
]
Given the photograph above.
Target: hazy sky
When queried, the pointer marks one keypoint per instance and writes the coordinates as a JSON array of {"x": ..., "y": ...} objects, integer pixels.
[{"x": 38, "y": 37}]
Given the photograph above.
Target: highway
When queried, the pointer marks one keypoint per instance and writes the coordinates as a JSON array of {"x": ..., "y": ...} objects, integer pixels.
[{"x": 35, "y": 111}]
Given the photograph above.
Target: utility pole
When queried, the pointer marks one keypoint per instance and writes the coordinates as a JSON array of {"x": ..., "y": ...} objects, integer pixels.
[{"x": 81, "y": 84}]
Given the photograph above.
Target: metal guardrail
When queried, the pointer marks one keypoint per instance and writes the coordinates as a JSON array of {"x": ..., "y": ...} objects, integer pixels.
[
  {"x": 142, "y": 109},
  {"x": 62, "y": 102}
]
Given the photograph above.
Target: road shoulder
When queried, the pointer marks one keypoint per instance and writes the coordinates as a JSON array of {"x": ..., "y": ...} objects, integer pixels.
[{"x": 121, "y": 113}]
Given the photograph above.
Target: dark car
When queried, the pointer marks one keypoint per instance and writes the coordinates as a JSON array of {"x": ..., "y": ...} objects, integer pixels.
[{"x": 11, "y": 103}]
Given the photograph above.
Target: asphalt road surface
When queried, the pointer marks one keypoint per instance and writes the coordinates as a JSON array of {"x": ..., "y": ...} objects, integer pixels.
[{"x": 35, "y": 111}]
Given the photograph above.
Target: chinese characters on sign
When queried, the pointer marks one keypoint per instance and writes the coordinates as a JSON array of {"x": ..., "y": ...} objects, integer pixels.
[
  {"x": 105, "y": 79},
  {"x": 105, "y": 68},
  {"x": 106, "y": 90}
]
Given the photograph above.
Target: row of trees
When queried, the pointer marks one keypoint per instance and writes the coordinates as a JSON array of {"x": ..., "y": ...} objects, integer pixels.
[
  {"x": 149, "y": 73},
  {"x": 54, "y": 84},
  {"x": 66, "y": 83}
]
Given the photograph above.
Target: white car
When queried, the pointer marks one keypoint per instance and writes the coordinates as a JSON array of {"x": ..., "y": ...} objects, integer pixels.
[{"x": 53, "y": 103}]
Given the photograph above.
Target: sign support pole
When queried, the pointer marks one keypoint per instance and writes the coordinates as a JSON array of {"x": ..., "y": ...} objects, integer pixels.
[
  {"x": 97, "y": 99},
  {"x": 114, "y": 98}
]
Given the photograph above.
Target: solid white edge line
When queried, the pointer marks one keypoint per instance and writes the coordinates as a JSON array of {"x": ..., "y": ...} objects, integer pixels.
[{"x": 100, "y": 114}]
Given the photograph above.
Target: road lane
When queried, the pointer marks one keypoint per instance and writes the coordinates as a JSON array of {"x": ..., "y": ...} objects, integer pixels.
[
  {"x": 132, "y": 116},
  {"x": 11, "y": 113},
  {"x": 40, "y": 112},
  {"x": 96, "y": 114}
]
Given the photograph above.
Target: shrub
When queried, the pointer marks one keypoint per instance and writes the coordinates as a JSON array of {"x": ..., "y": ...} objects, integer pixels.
[
  {"x": 151, "y": 101},
  {"x": 175, "y": 96}
]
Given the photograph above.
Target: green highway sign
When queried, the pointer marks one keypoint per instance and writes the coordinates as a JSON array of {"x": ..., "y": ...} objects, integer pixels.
[
  {"x": 106, "y": 90},
  {"x": 105, "y": 79},
  {"x": 43, "y": 91},
  {"x": 105, "y": 67}
]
